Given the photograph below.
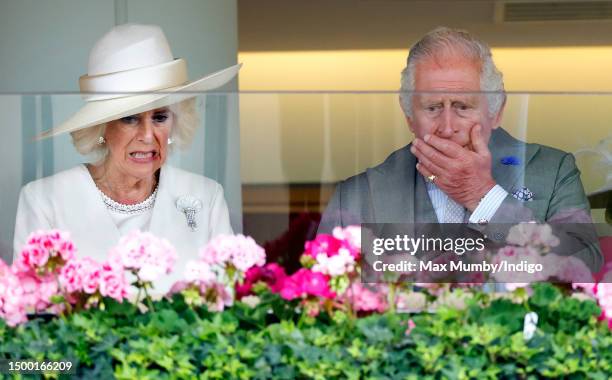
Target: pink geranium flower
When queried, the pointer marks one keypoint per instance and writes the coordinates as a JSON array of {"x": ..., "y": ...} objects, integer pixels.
[
  {"x": 113, "y": 282},
  {"x": 36, "y": 290},
  {"x": 290, "y": 289},
  {"x": 199, "y": 271},
  {"x": 145, "y": 254},
  {"x": 242, "y": 252},
  {"x": 364, "y": 299},
  {"x": 216, "y": 296},
  {"x": 603, "y": 293},
  {"x": 90, "y": 272},
  {"x": 305, "y": 283},
  {"x": 43, "y": 247},
  {"x": 12, "y": 306},
  {"x": 568, "y": 269},
  {"x": 271, "y": 274},
  {"x": 70, "y": 276},
  {"x": 351, "y": 239},
  {"x": 517, "y": 255},
  {"x": 323, "y": 244},
  {"x": 337, "y": 265},
  {"x": 315, "y": 284},
  {"x": 532, "y": 234}
]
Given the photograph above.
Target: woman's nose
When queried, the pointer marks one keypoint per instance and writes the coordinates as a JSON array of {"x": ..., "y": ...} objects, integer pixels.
[{"x": 146, "y": 130}]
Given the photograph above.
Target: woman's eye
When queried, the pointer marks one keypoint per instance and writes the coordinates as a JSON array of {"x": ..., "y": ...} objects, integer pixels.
[
  {"x": 160, "y": 117},
  {"x": 129, "y": 120}
]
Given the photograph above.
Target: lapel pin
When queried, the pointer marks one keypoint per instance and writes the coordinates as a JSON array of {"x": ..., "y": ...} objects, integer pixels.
[
  {"x": 510, "y": 160},
  {"x": 523, "y": 194},
  {"x": 189, "y": 206}
]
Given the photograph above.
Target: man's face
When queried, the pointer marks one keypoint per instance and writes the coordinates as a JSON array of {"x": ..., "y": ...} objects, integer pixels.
[{"x": 446, "y": 102}]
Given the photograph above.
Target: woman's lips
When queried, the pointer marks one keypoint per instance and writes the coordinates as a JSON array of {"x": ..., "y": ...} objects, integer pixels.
[{"x": 143, "y": 157}]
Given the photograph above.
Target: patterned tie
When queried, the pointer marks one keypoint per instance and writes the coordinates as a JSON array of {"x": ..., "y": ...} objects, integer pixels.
[{"x": 453, "y": 212}]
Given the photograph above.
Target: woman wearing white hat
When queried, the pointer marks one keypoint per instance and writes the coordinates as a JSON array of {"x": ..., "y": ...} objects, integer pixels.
[{"x": 136, "y": 110}]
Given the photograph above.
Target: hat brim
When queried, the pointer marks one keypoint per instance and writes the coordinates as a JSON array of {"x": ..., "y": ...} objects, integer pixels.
[{"x": 102, "y": 111}]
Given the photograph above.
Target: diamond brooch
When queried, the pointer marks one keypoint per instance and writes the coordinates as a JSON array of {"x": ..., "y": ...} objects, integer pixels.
[{"x": 189, "y": 206}]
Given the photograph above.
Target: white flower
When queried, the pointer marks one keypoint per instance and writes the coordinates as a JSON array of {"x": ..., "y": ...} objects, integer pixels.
[
  {"x": 251, "y": 300},
  {"x": 351, "y": 234},
  {"x": 199, "y": 271},
  {"x": 336, "y": 265}
]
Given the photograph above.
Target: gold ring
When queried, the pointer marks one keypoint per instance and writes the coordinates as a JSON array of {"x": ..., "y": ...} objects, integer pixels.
[{"x": 432, "y": 178}]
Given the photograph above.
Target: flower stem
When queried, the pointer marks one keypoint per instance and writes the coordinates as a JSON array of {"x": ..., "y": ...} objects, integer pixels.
[
  {"x": 142, "y": 285},
  {"x": 148, "y": 297},
  {"x": 391, "y": 298},
  {"x": 138, "y": 295}
]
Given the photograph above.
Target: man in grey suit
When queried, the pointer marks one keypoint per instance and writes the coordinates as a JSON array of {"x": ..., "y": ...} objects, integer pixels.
[{"x": 461, "y": 166}]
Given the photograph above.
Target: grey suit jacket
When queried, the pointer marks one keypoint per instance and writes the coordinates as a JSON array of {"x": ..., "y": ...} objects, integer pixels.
[{"x": 395, "y": 192}]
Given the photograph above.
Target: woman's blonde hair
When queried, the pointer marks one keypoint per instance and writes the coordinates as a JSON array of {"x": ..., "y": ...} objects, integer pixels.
[{"x": 186, "y": 121}]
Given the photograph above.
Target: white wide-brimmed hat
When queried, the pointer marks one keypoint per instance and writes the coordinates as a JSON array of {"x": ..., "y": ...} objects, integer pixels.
[{"x": 132, "y": 70}]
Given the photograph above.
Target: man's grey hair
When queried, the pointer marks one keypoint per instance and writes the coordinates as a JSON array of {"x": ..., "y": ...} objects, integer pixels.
[
  {"x": 186, "y": 121},
  {"x": 441, "y": 41}
]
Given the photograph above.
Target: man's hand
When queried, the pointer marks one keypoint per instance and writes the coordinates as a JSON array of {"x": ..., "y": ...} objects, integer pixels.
[{"x": 463, "y": 174}]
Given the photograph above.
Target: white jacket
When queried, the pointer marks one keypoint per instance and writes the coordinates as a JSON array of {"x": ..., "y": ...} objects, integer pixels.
[{"x": 69, "y": 201}]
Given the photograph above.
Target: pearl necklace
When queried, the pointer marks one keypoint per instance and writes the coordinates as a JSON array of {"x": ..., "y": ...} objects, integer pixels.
[{"x": 113, "y": 205}]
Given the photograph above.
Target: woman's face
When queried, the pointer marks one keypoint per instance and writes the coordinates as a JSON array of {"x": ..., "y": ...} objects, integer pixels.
[{"x": 138, "y": 144}]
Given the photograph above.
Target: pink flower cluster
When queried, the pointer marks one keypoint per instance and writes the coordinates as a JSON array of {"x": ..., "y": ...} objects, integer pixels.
[
  {"x": 337, "y": 265},
  {"x": 335, "y": 256},
  {"x": 223, "y": 262},
  {"x": 603, "y": 293},
  {"x": 45, "y": 248},
  {"x": 516, "y": 255},
  {"x": 532, "y": 243},
  {"x": 364, "y": 299},
  {"x": 48, "y": 269},
  {"x": 327, "y": 258},
  {"x": 145, "y": 255},
  {"x": 242, "y": 252},
  {"x": 30, "y": 283},
  {"x": 12, "y": 308},
  {"x": 532, "y": 234},
  {"x": 347, "y": 240},
  {"x": 85, "y": 275},
  {"x": 305, "y": 283},
  {"x": 214, "y": 295},
  {"x": 270, "y": 274}
]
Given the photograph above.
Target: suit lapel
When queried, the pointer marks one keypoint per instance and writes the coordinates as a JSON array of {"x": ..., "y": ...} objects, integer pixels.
[
  {"x": 392, "y": 189},
  {"x": 399, "y": 192},
  {"x": 422, "y": 202},
  {"x": 505, "y": 148}
]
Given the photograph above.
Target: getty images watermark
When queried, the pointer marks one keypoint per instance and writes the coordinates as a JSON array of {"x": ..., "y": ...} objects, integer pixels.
[
  {"x": 459, "y": 253},
  {"x": 407, "y": 245}
]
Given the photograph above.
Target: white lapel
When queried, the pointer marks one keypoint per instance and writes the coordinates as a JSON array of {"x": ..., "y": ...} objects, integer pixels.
[
  {"x": 164, "y": 208},
  {"x": 167, "y": 220}
]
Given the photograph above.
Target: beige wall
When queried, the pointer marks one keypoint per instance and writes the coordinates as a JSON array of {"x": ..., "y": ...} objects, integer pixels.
[{"x": 329, "y": 136}]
